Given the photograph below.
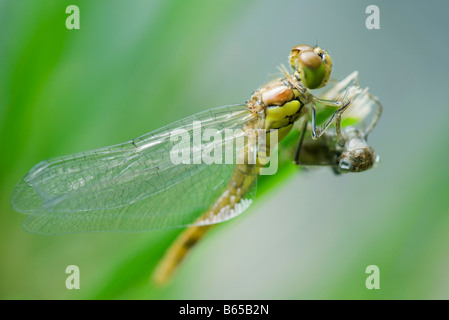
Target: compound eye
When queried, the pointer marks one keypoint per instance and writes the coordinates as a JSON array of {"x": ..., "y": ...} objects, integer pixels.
[
  {"x": 310, "y": 60},
  {"x": 319, "y": 52},
  {"x": 313, "y": 65},
  {"x": 311, "y": 69},
  {"x": 296, "y": 51},
  {"x": 302, "y": 47}
]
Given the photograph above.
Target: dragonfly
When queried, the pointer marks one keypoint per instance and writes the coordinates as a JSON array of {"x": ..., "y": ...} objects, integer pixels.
[
  {"x": 176, "y": 176},
  {"x": 344, "y": 149}
]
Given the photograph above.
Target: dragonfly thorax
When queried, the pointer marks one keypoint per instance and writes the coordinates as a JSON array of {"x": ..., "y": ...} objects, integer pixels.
[{"x": 280, "y": 102}]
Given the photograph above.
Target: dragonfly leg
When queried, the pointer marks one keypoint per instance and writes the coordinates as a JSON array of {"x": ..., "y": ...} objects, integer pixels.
[
  {"x": 318, "y": 132},
  {"x": 376, "y": 116},
  {"x": 301, "y": 140},
  {"x": 340, "y": 138}
]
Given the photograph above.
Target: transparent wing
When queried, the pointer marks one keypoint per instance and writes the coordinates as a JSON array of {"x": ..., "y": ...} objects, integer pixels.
[{"x": 140, "y": 185}]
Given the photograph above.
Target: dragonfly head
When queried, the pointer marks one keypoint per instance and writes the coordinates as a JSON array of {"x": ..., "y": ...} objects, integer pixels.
[
  {"x": 357, "y": 155},
  {"x": 312, "y": 65}
]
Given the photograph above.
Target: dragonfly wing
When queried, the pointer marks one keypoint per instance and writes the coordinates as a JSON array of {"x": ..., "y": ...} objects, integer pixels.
[{"x": 138, "y": 186}]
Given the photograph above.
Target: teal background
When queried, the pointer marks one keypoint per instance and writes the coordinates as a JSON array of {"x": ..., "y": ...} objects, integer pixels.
[{"x": 137, "y": 65}]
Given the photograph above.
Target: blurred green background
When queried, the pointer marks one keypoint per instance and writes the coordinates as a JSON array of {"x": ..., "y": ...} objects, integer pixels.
[{"x": 137, "y": 65}]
